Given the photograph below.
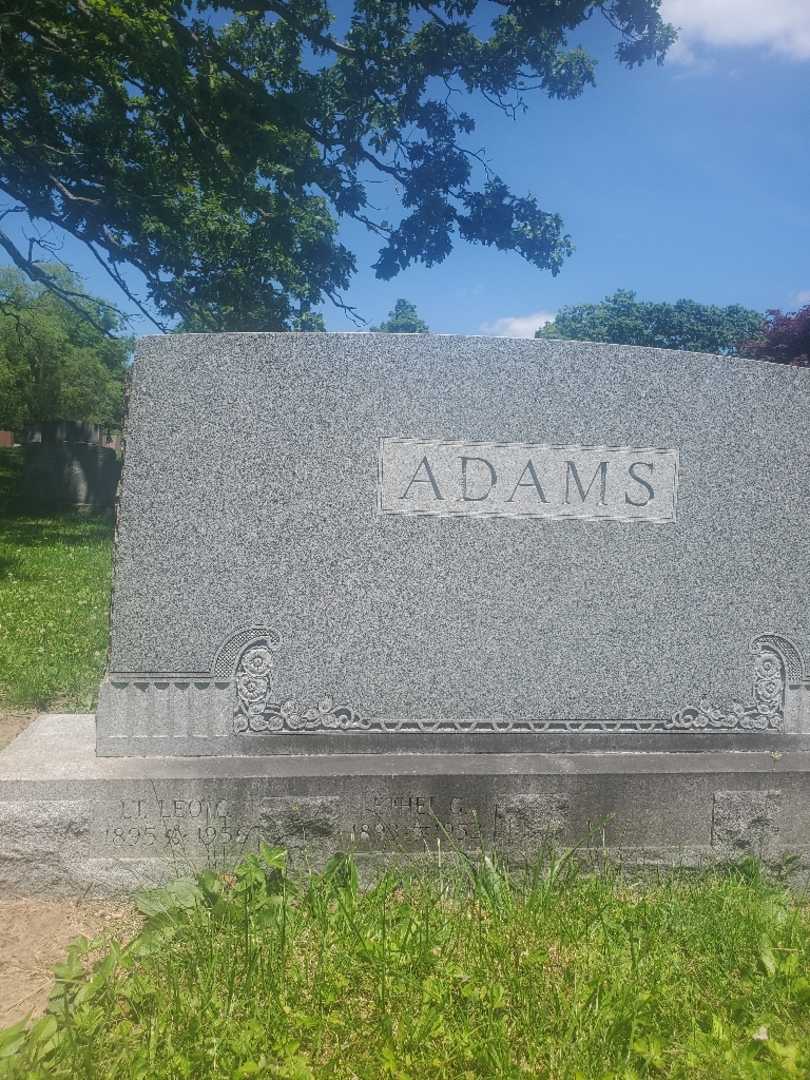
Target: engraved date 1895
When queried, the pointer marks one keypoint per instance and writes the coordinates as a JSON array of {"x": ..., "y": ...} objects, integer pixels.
[{"x": 177, "y": 824}]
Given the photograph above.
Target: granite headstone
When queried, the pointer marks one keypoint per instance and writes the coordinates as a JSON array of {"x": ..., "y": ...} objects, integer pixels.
[{"x": 375, "y": 542}]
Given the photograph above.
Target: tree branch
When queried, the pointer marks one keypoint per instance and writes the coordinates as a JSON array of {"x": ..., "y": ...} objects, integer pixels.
[
  {"x": 381, "y": 165},
  {"x": 68, "y": 296},
  {"x": 326, "y": 41},
  {"x": 12, "y": 312},
  {"x": 12, "y": 210},
  {"x": 348, "y": 310},
  {"x": 125, "y": 289},
  {"x": 372, "y": 226},
  {"x": 67, "y": 194},
  {"x": 425, "y": 6}
]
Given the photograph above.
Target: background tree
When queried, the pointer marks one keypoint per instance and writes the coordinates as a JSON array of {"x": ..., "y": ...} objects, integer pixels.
[
  {"x": 309, "y": 321},
  {"x": 404, "y": 319},
  {"x": 55, "y": 363},
  {"x": 212, "y": 145},
  {"x": 624, "y": 320},
  {"x": 785, "y": 338}
]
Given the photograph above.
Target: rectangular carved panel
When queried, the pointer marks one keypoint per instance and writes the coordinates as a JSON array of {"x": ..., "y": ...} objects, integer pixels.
[{"x": 508, "y": 479}]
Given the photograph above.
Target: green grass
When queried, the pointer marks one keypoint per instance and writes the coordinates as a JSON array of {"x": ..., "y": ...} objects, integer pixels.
[
  {"x": 54, "y": 599},
  {"x": 456, "y": 974}
]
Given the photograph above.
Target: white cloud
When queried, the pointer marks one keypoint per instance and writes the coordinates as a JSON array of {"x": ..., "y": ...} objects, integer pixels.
[
  {"x": 803, "y": 297},
  {"x": 517, "y": 325},
  {"x": 683, "y": 54},
  {"x": 781, "y": 26}
]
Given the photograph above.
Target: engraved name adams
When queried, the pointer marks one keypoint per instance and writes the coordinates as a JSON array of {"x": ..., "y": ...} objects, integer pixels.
[{"x": 487, "y": 479}]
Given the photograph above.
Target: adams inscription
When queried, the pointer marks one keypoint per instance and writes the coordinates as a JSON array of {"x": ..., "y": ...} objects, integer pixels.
[{"x": 490, "y": 479}]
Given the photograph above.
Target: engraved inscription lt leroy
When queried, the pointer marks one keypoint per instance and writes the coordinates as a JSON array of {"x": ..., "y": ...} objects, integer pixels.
[{"x": 493, "y": 479}]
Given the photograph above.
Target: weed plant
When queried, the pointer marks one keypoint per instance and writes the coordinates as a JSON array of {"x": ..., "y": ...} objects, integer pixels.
[{"x": 473, "y": 972}]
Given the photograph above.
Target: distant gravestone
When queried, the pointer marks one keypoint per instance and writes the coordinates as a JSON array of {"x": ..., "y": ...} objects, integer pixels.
[
  {"x": 64, "y": 475},
  {"x": 385, "y": 592}
]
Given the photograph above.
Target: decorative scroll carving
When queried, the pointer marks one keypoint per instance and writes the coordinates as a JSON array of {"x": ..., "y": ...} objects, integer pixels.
[
  {"x": 766, "y": 712},
  {"x": 230, "y": 653},
  {"x": 777, "y": 660},
  {"x": 290, "y": 716},
  {"x": 256, "y": 711}
]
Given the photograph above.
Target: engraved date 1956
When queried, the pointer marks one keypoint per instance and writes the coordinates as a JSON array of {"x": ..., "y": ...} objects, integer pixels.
[{"x": 177, "y": 824}]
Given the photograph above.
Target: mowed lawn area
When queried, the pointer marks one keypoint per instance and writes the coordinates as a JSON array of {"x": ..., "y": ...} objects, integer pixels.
[{"x": 54, "y": 601}]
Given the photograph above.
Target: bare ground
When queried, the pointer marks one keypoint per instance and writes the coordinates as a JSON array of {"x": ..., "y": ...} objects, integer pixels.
[
  {"x": 35, "y": 932},
  {"x": 11, "y": 724},
  {"x": 34, "y": 938}
]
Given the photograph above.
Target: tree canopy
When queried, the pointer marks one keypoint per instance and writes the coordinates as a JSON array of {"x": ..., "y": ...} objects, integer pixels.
[
  {"x": 403, "y": 319},
  {"x": 785, "y": 338},
  {"x": 214, "y": 146},
  {"x": 624, "y": 320},
  {"x": 55, "y": 363}
]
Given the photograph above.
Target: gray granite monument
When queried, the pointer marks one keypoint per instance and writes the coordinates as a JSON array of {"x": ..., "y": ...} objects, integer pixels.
[{"x": 389, "y": 591}]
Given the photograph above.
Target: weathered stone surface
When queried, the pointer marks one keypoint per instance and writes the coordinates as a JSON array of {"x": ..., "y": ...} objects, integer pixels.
[
  {"x": 73, "y": 822},
  {"x": 746, "y": 822},
  {"x": 268, "y": 601}
]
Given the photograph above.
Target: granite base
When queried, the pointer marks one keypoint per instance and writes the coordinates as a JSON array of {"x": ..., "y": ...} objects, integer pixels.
[{"x": 72, "y": 822}]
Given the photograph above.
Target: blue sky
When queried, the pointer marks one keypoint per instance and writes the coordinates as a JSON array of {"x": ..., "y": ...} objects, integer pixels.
[{"x": 687, "y": 180}]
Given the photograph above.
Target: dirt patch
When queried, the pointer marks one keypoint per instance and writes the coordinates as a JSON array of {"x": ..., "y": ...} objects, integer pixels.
[
  {"x": 34, "y": 937},
  {"x": 11, "y": 724},
  {"x": 35, "y": 933}
]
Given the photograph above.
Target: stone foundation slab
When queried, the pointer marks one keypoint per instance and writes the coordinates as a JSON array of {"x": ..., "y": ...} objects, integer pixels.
[{"x": 71, "y": 822}]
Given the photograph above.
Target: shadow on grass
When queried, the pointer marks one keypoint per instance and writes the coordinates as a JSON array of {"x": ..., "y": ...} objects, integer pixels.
[
  {"x": 23, "y": 521},
  {"x": 20, "y": 526}
]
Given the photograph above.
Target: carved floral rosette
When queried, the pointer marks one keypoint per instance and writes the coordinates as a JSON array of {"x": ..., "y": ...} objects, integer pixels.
[
  {"x": 257, "y": 712},
  {"x": 253, "y": 683}
]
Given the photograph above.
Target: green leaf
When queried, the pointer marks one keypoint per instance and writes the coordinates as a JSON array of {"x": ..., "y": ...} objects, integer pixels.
[
  {"x": 181, "y": 894},
  {"x": 766, "y": 957},
  {"x": 12, "y": 1039}
]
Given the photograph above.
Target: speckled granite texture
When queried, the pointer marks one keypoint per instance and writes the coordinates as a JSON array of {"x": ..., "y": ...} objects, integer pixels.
[{"x": 249, "y": 512}]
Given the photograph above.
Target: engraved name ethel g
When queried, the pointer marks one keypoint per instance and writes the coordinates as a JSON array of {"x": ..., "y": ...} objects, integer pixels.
[{"x": 489, "y": 479}]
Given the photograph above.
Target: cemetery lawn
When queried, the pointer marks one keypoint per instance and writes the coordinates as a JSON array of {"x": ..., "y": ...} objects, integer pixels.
[
  {"x": 54, "y": 600},
  {"x": 458, "y": 972}
]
